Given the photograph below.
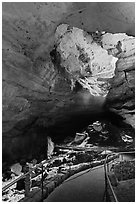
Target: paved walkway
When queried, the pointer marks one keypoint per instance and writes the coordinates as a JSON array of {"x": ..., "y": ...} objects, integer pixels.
[{"x": 82, "y": 187}]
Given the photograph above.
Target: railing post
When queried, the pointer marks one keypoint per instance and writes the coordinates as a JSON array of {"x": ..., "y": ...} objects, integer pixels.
[
  {"x": 27, "y": 181},
  {"x": 106, "y": 186},
  {"x": 107, "y": 166},
  {"x": 105, "y": 183},
  {"x": 42, "y": 179}
]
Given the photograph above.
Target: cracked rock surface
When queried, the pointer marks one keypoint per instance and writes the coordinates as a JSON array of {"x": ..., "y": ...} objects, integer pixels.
[{"x": 85, "y": 60}]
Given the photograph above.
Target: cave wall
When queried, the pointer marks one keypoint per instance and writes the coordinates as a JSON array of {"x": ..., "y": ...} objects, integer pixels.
[
  {"x": 29, "y": 95},
  {"x": 26, "y": 145}
]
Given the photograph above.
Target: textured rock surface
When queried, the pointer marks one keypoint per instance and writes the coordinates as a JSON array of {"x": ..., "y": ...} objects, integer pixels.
[
  {"x": 85, "y": 60},
  {"x": 35, "y": 92},
  {"x": 121, "y": 97},
  {"x": 91, "y": 61}
]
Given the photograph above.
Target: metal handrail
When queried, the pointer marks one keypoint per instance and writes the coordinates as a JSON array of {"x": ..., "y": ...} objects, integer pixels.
[
  {"x": 49, "y": 160},
  {"x": 17, "y": 179},
  {"x": 106, "y": 175},
  {"x": 24, "y": 175},
  {"x": 107, "y": 178},
  {"x": 114, "y": 195},
  {"x": 14, "y": 181}
]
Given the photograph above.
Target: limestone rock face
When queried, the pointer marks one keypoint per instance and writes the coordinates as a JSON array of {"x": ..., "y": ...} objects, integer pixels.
[
  {"x": 85, "y": 60},
  {"x": 121, "y": 97},
  {"x": 104, "y": 64}
]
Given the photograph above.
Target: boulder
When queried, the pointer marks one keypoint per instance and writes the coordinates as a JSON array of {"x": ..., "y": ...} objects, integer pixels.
[
  {"x": 97, "y": 126},
  {"x": 79, "y": 138},
  {"x": 16, "y": 169}
]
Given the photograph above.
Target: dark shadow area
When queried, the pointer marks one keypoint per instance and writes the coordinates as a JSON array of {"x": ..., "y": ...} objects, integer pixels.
[{"x": 77, "y": 123}]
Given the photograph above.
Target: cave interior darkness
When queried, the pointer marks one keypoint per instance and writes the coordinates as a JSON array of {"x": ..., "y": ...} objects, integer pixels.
[
  {"x": 64, "y": 129},
  {"x": 77, "y": 123}
]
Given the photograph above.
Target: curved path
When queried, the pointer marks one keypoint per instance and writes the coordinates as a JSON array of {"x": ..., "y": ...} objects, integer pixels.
[{"x": 86, "y": 186}]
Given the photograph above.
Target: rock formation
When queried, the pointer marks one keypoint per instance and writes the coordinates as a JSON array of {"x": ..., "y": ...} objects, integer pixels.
[
  {"x": 103, "y": 63},
  {"x": 121, "y": 96},
  {"x": 53, "y": 71}
]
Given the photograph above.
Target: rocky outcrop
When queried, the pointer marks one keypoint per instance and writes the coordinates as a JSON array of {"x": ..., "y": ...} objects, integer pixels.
[
  {"x": 121, "y": 96},
  {"x": 84, "y": 60},
  {"x": 103, "y": 63},
  {"x": 37, "y": 89}
]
